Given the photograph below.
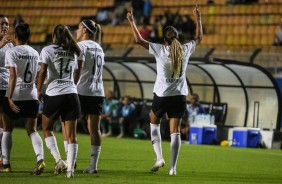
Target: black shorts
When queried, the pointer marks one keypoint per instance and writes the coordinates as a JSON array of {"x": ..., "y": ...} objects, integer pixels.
[
  {"x": 91, "y": 104},
  {"x": 2, "y": 96},
  {"x": 28, "y": 109},
  {"x": 67, "y": 106},
  {"x": 174, "y": 106}
]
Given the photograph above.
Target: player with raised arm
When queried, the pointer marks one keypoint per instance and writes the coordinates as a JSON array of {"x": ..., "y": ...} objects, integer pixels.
[
  {"x": 5, "y": 44},
  {"x": 170, "y": 89},
  {"x": 21, "y": 97}
]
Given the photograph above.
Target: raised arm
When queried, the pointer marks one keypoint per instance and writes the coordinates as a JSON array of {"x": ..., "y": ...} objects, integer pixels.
[
  {"x": 199, "y": 29},
  {"x": 138, "y": 38}
]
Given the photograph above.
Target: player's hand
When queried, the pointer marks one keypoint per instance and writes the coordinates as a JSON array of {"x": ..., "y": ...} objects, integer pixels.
[
  {"x": 40, "y": 97},
  {"x": 5, "y": 40},
  {"x": 197, "y": 12},
  {"x": 130, "y": 17},
  {"x": 14, "y": 108}
]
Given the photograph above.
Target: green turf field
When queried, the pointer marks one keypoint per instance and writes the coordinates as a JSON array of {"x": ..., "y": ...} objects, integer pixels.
[{"x": 129, "y": 161}]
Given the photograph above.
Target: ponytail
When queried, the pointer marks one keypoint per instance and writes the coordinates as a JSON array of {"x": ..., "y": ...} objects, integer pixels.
[
  {"x": 176, "y": 52},
  {"x": 176, "y": 56},
  {"x": 65, "y": 40},
  {"x": 98, "y": 35}
]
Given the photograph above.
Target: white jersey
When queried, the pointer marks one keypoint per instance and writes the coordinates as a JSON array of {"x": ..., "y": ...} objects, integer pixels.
[
  {"x": 4, "y": 72},
  {"x": 25, "y": 59},
  {"x": 168, "y": 83},
  {"x": 61, "y": 65},
  {"x": 91, "y": 82}
]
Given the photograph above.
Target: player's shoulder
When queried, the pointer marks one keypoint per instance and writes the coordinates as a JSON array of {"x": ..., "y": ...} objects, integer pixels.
[
  {"x": 50, "y": 48},
  {"x": 190, "y": 42},
  {"x": 31, "y": 49}
]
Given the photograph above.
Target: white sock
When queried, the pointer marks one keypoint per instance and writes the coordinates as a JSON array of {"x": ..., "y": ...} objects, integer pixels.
[
  {"x": 95, "y": 154},
  {"x": 156, "y": 140},
  {"x": 174, "y": 149},
  {"x": 66, "y": 147},
  {"x": 6, "y": 147},
  {"x": 72, "y": 154},
  {"x": 51, "y": 144},
  {"x": 37, "y": 145}
]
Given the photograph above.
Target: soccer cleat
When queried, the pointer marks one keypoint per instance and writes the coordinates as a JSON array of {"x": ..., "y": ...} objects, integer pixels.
[
  {"x": 120, "y": 135},
  {"x": 159, "y": 163},
  {"x": 172, "y": 172},
  {"x": 60, "y": 167},
  {"x": 107, "y": 134},
  {"x": 90, "y": 170},
  {"x": 69, "y": 174},
  {"x": 40, "y": 166},
  {"x": 6, "y": 168}
]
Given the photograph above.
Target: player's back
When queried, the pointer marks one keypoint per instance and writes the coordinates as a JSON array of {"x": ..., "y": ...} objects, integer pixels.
[
  {"x": 61, "y": 66},
  {"x": 91, "y": 82},
  {"x": 25, "y": 59}
]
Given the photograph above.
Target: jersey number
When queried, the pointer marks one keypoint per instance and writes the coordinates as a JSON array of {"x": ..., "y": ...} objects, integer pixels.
[
  {"x": 27, "y": 74},
  {"x": 97, "y": 67},
  {"x": 66, "y": 70}
]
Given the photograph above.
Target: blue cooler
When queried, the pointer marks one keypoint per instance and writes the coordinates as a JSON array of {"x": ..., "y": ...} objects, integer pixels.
[
  {"x": 209, "y": 134},
  {"x": 239, "y": 138},
  {"x": 196, "y": 134},
  {"x": 253, "y": 137},
  {"x": 246, "y": 137}
]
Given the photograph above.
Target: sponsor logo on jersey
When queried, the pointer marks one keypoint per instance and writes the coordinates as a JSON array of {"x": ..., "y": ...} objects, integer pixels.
[
  {"x": 28, "y": 57},
  {"x": 95, "y": 80},
  {"x": 62, "y": 53},
  {"x": 94, "y": 49},
  {"x": 26, "y": 86},
  {"x": 63, "y": 82},
  {"x": 171, "y": 80}
]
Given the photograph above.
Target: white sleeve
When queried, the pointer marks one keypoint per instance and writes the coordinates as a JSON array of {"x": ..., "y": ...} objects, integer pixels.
[
  {"x": 44, "y": 56},
  {"x": 38, "y": 63},
  {"x": 81, "y": 57},
  {"x": 9, "y": 59},
  {"x": 76, "y": 62},
  {"x": 154, "y": 48},
  {"x": 190, "y": 47}
]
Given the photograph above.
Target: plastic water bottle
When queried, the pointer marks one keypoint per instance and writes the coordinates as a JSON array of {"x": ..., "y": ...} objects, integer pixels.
[
  {"x": 230, "y": 142},
  {"x": 260, "y": 124},
  {"x": 212, "y": 120},
  {"x": 271, "y": 126}
]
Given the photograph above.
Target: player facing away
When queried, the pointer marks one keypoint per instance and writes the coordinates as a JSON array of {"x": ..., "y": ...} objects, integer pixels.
[
  {"x": 21, "y": 97},
  {"x": 90, "y": 84},
  {"x": 61, "y": 99},
  {"x": 5, "y": 44},
  {"x": 170, "y": 89}
]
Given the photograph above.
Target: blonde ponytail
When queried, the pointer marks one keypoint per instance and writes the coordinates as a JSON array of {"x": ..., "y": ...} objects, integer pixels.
[
  {"x": 98, "y": 34},
  {"x": 176, "y": 56}
]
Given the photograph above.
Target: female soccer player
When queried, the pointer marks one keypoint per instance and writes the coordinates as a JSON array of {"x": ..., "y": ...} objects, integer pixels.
[
  {"x": 5, "y": 44},
  {"x": 170, "y": 88},
  {"x": 21, "y": 97},
  {"x": 90, "y": 85},
  {"x": 61, "y": 99}
]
